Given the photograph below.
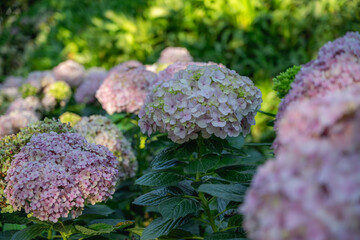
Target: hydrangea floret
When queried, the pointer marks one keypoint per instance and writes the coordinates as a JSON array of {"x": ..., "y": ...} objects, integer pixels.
[
  {"x": 69, "y": 117},
  {"x": 100, "y": 130},
  {"x": 201, "y": 99},
  {"x": 70, "y": 72},
  {"x": 125, "y": 91},
  {"x": 12, "y": 144},
  {"x": 57, "y": 174},
  {"x": 305, "y": 198},
  {"x": 282, "y": 82}
]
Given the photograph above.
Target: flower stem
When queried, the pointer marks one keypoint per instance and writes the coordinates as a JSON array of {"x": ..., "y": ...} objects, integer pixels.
[
  {"x": 50, "y": 233},
  {"x": 64, "y": 236},
  {"x": 206, "y": 207}
]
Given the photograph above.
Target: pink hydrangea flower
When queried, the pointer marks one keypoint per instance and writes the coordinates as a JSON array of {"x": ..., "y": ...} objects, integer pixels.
[
  {"x": 87, "y": 90},
  {"x": 57, "y": 174},
  {"x": 125, "y": 91},
  {"x": 174, "y": 54},
  {"x": 322, "y": 124},
  {"x": 40, "y": 79},
  {"x": 337, "y": 66},
  {"x": 201, "y": 99},
  {"x": 10, "y": 87},
  {"x": 30, "y": 103},
  {"x": 100, "y": 130},
  {"x": 70, "y": 72},
  {"x": 125, "y": 66},
  {"x": 13, "y": 121},
  {"x": 305, "y": 198}
]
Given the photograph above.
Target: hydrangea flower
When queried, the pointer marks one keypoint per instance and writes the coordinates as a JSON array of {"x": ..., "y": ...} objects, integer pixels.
[
  {"x": 12, "y": 122},
  {"x": 70, "y": 72},
  {"x": 40, "y": 79},
  {"x": 312, "y": 198},
  {"x": 11, "y": 145},
  {"x": 69, "y": 117},
  {"x": 57, "y": 174},
  {"x": 125, "y": 66},
  {"x": 57, "y": 92},
  {"x": 322, "y": 124},
  {"x": 31, "y": 103},
  {"x": 174, "y": 54},
  {"x": 201, "y": 99},
  {"x": 125, "y": 91},
  {"x": 10, "y": 88},
  {"x": 282, "y": 82},
  {"x": 100, "y": 130},
  {"x": 87, "y": 90},
  {"x": 28, "y": 90},
  {"x": 337, "y": 66}
]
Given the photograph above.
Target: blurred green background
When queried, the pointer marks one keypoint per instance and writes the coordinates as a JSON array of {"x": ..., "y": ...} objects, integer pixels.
[{"x": 257, "y": 38}]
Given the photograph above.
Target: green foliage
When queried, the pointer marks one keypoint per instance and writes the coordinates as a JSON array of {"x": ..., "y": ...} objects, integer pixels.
[
  {"x": 30, "y": 232},
  {"x": 257, "y": 38},
  {"x": 282, "y": 82},
  {"x": 27, "y": 90}
]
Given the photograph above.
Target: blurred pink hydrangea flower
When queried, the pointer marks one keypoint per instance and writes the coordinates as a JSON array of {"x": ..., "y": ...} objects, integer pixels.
[
  {"x": 30, "y": 103},
  {"x": 125, "y": 66},
  {"x": 87, "y": 90},
  {"x": 296, "y": 198},
  {"x": 337, "y": 66},
  {"x": 125, "y": 90},
  {"x": 55, "y": 174},
  {"x": 207, "y": 99},
  {"x": 70, "y": 72},
  {"x": 174, "y": 54},
  {"x": 100, "y": 130},
  {"x": 322, "y": 124},
  {"x": 13, "y": 121},
  {"x": 40, "y": 79},
  {"x": 10, "y": 87}
]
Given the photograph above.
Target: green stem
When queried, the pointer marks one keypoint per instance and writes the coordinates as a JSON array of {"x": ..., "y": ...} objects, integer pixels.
[
  {"x": 50, "y": 233},
  {"x": 64, "y": 236},
  {"x": 206, "y": 207}
]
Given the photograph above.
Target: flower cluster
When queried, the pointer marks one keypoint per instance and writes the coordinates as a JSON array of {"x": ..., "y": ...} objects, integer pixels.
[
  {"x": 100, "y": 130},
  {"x": 207, "y": 99},
  {"x": 56, "y": 174},
  {"x": 57, "y": 92},
  {"x": 30, "y": 103},
  {"x": 12, "y": 122},
  {"x": 11, "y": 145},
  {"x": 282, "y": 82},
  {"x": 28, "y": 90},
  {"x": 125, "y": 66},
  {"x": 174, "y": 54},
  {"x": 305, "y": 198},
  {"x": 69, "y": 117},
  {"x": 40, "y": 79},
  {"x": 87, "y": 90},
  {"x": 70, "y": 72},
  {"x": 125, "y": 90},
  {"x": 322, "y": 124},
  {"x": 337, "y": 66},
  {"x": 9, "y": 89}
]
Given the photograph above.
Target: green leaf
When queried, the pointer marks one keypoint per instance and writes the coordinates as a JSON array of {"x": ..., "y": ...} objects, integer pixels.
[
  {"x": 229, "y": 160},
  {"x": 235, "y": 221},
  {"x": 155, "y": 179},
  {"x": 161, "y": 226},
  {"x": 97, "y": 209},
  {"x": 203, "y": 164},
  {"x": 61, "y": 227},
  {"x": 155, "y": 197},
  {"x": 165, "y": 159},
  {"x": 237, "y": 176},
  {"x": 177, "y": 207},
  {"x": 236, "y": 142},
  {"x": 232, "y": 192},
  {"x": 225, "y": 236},
  {"x": 177, "y": 234},
  {"x": 95, "y": 229},
  {"x": 10, "y": 226},
  {"x": 7, "y": 235},
  {"x": 137, "y": 230},
  {"x": 213, "y": 145},
  {"x": 30, "y": 232}
]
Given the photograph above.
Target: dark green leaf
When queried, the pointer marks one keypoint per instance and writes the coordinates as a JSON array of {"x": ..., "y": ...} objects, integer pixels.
[
  {"x": 235, "y": 221},
  {"x": 95, "y": 229},
  {"x": 155, "y": 197},
  {"x": 165, "y": 159},
  {"x": 160, "y": 227},
  {"x": 236, "y": 142},
  {"x": 137, "y": 231},
  {"x": 202, "y": 165},
  {"x": 159, "y": 179},
  {"x": 232, "y": 192},
  {"x": 237, "y": 176},
  {"x": 177, "y": 234},
  {"x": 213, "y": 145},
  {"x": 7, "y": 235},
  {"x": 225, "y": 236},
  {"x": 30, "y": 232},
  {"x": 10, "y": 226},
  {"x": 177, "y": 207},
  {"x": 61, "y": 227},
  {"x": 229, "y": 160}
]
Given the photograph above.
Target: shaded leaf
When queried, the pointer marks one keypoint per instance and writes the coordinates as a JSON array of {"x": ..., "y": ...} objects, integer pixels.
[
  {"x": 232, "y": 192},
  {"x": 155, "y": 197},
  {"x": 159, "y": 179},
  {"x": 161, "y": 226},
  {"x": 225, "y": 236},
  {"x": 203, "y": 164},
  {"x": 30, "y": 232},
  {"x": 178, "y": 207}
]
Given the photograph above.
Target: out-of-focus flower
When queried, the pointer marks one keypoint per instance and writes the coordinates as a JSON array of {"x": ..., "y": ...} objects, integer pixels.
[
  {"x": 57, "y": 92},
  {"x": 322, "y": 124},
  {"x": 12, "y": 82},
  {"x": 28, "y": 90},
  {"x": 125, "y": 66},
  {"x": 12, "y": 122},
  {"x": 207, "y": 99},
  {"x": 70, "y": 72},
  {"x": 282, "y": 82},
  {"x": 337, "y": 66},
  {"x": 174, "y": 54},
  {"x": 69, "y": 117},
  {"x": 31, "y": 103},
  {"x": 56, "y": 174},
  {"x": 312, "y": 198},
  {"x": 10, "y": 88},
  {"x": 87, "y": 90},
  {"x": 12, "y": 144},
  {"x": 125, "y": 91},
  {"x": 40, "y": 79},
  {"x": 100, "y": 130}
]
